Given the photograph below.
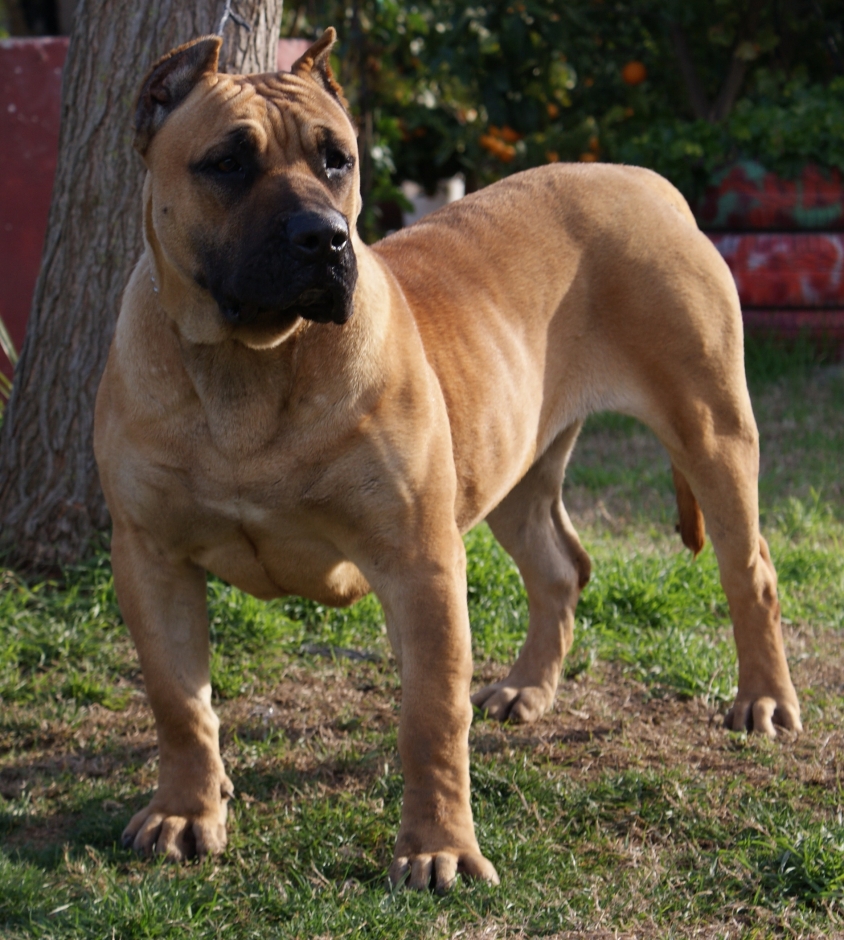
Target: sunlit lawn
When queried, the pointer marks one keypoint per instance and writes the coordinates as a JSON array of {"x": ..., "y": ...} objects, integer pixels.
[{"x": 626, "y": 812}]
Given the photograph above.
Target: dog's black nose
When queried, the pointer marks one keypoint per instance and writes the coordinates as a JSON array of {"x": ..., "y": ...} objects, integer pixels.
[{"x": 318, "y": 236}]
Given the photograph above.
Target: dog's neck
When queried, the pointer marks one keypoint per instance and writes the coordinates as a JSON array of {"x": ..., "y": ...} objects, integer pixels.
[{"x": 252, "y": 397}]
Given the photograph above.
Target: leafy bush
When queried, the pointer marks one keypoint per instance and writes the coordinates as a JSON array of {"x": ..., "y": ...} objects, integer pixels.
[
  {"x": 801, "y": 124},
  {"x": 487, "y": 89}
]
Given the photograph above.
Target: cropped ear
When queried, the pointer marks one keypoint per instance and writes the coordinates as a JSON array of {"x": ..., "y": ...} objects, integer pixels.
[
  {"x": 316, "y": 64},
  {"x": 169, "y": 82}
]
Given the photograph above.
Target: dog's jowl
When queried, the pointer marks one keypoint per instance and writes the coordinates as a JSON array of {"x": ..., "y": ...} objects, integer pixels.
[{"x": 299, "y": 413}]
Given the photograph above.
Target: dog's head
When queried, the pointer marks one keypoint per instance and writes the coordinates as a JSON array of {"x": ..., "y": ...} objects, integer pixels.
[{"x": 252, "y": 194}]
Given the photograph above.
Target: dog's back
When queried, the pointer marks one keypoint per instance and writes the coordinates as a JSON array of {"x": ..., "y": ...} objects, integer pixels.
[{"x": 555, "y": 293}]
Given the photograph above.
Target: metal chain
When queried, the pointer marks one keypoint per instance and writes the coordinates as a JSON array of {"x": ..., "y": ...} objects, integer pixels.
[{"x": 229, "y": 14}]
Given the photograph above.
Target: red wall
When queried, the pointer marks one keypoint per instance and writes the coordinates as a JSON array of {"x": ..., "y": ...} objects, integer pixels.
[
  {"x": 784, "y": 245},
  {"x": 30, "y": 98}
]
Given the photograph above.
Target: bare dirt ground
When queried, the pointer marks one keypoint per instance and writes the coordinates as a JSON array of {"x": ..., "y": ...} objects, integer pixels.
[{"x": 602, "y": 721}]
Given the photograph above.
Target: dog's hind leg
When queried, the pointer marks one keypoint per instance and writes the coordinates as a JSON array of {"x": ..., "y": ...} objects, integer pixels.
[
  {"x": 707, "y": 425},
  {"x": 532, "y": 524}
]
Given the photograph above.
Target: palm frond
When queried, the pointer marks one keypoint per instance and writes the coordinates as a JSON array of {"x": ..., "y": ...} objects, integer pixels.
[
  {"x": 7, "y": 345},
  {"x": 8, "y": 348}
]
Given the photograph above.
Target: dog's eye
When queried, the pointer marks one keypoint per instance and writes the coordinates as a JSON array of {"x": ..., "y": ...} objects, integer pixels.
[
  {"x": 227, "y": 165},
  {"x": 336, "y": 162}
]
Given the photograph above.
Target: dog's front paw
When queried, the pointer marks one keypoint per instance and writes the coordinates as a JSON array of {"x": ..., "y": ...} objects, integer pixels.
[
  {"x": 173, "y": 827},
  {"x": 439, "y": 870},
  {"x": 510, "y": 701},
  {"x": 764, "y": 714}
]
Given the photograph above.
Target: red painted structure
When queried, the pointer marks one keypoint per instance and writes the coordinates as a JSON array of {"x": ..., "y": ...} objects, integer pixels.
[
  {"x": 30, "y": 101},
  {"x": 786, "y": 270},
  {"x": 746, "y": 197},
  {"x": 785, "y": 248}
]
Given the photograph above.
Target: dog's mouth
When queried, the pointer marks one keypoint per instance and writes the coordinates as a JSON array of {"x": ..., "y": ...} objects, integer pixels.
[
  {"x": 319, "y": 304},
  {"x": 302, "y": 266}
]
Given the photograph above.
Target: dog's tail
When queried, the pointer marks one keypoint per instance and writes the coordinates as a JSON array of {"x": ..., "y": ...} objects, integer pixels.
[{"x": 690, "y": 527}]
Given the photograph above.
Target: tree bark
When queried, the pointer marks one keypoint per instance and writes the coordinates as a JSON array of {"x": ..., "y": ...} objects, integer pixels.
[{"x": 51, "y": 505}]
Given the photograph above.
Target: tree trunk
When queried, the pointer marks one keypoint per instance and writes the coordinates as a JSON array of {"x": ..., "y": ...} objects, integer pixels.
[{"x": 51, "y": 505}]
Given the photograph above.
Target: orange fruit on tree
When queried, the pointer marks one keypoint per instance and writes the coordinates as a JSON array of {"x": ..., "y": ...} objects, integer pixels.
[
  {"x": 634, "y": 73},
  {"x": 497, "y": 147}
]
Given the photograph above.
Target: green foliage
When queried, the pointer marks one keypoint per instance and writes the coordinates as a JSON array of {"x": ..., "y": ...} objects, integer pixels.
[
  {"x": 4, "y": 20},
  {"x": 768, "y": 358},
  {"x": 800, "y": 864},
  {"x": 674, "y": 848},
  {"x": 62, "y": 642},
  {"x": 663, "y": 618},
  {"x": 447, "y": 86},
  {"x": 785, "y": 127},
  {"x": 252, "y": 639},
  {"x": 791, "y": 124}
]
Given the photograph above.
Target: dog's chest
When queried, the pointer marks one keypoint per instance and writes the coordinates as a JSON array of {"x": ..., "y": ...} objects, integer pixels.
[
  {"x": 247, "y": 518},
  {"x": 272, "y": 561}
]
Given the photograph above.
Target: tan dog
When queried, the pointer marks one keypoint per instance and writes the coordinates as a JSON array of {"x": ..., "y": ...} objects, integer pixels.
[{"x": 299, "y": 413}]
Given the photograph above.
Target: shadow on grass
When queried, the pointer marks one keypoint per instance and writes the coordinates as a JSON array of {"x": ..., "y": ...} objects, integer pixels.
[{"x": 50, "y": 839}]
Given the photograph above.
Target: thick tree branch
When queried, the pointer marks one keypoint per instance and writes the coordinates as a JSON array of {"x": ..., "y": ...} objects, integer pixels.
[
  {"x": 697, "y": 96},
  {"x": 729, "y": 90},
  {"x": 734, "y": 78},
  {"x": 738, "y": 64}
]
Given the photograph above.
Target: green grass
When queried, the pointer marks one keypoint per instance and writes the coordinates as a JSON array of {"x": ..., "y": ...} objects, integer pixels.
[{"x": 627, "y": 809}]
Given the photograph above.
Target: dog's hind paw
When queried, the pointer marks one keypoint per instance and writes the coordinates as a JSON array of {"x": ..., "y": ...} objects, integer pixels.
[
  {"x": 764, "y": 715},
  {"x": 440, "y": 870},
  {"x": 508, "y": 701}
]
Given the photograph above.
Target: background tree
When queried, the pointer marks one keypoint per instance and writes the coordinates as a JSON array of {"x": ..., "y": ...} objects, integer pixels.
[{"x": 50, "y": 500}]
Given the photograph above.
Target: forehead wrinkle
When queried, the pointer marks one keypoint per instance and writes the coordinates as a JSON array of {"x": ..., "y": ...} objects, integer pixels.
[
  {"x": 230, "y": 89},
  {"x": 285, "y": 120},
  {"x": 299, "y": 128},
  {"x": 209, "y": 125},
  {"x": 243, "y": 105},
  {"x": 274, "y": 117},
  {"x": 287, "y": 90},
  {"x": 279, "y": 98}
]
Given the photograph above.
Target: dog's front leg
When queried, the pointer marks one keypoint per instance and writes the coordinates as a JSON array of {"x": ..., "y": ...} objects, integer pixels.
[
  {"x": 163, "y": 603},
  {"x": 428, "y": 626}
]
